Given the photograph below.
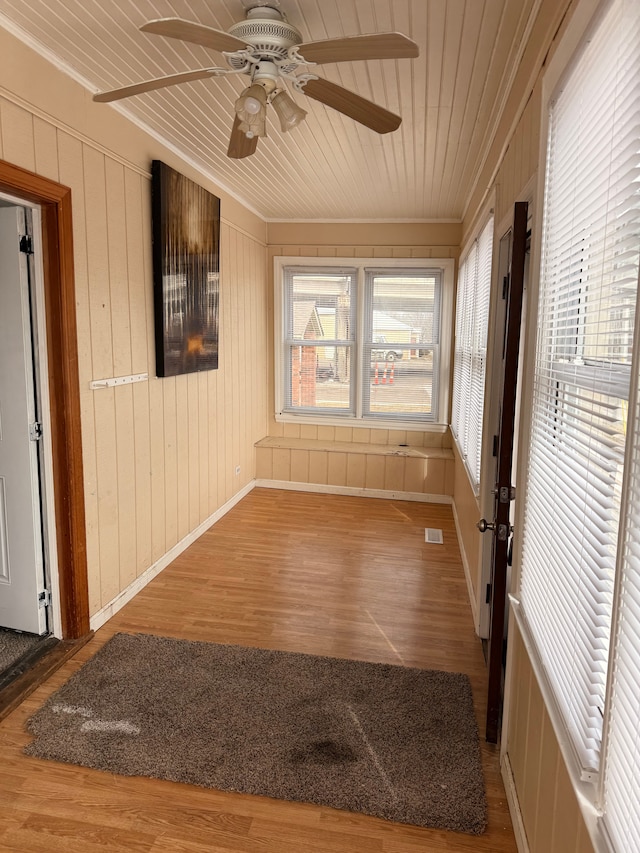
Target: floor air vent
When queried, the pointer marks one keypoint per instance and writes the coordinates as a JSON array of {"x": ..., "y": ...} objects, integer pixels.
[{"x": 433, "y": 535}]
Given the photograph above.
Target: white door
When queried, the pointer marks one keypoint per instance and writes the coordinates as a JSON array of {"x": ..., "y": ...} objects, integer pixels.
[{"x": 21, "y": 553}]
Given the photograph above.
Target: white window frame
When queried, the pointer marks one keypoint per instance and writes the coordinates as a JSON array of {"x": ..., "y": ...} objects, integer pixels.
[{"x": 444, "y": 265}]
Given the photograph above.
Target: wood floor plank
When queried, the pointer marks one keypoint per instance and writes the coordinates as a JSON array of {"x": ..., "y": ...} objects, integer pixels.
[{"x": 322, "y": 574}]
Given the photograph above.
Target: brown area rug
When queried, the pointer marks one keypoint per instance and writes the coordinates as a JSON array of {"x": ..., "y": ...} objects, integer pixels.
[{"x": 385, "y": 740}]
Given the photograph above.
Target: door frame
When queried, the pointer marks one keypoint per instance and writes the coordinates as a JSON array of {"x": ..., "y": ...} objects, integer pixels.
[{"x": 54, "y": 201}]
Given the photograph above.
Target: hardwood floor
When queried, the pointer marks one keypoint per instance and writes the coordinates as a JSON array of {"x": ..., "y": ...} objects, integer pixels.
[{"x": 324, "y": 574}]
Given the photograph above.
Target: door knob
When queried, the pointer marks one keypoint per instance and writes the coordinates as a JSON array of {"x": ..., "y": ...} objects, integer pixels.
[{"x": 483, "y": 525}]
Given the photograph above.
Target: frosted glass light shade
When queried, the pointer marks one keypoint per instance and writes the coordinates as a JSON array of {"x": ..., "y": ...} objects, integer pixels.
[
  {"x": 289, "y": 113},
  {"x": 251, "y": 109}
]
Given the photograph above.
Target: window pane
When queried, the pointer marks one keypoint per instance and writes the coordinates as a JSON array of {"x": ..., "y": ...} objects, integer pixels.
[
  {"x": 403, "y": 384},
  {"x": 400, "y": 352},
  {"x": 404, "y": 308},
  {"x": 320, "y": 306},
  {"x": 320, "y": 377}
]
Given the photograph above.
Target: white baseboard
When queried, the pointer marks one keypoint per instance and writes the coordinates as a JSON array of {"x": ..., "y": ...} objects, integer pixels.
[
  {"x": 104, "y": 614},
  {"x": 324, "y": 489},
  {"x": 467, "y": 570},
  {"x": 514, "y": 805}
]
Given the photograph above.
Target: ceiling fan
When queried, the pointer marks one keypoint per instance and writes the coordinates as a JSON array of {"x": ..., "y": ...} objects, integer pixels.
[{"x": 269, "y": 50}]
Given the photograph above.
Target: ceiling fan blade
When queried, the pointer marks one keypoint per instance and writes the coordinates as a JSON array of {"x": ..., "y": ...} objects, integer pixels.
[
  {"x": 177, "y": 28},
  {"x": 377, "y": 46},
  {"x": 156, "y": 83},
  {"x": 240, "y": 146},
  {"x": 352, "y": 105}
]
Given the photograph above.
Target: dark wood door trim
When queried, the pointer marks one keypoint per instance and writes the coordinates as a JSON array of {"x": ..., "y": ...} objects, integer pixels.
[
  {"x": 504, "y": 468},
  {"x": 64, "y": 388}
]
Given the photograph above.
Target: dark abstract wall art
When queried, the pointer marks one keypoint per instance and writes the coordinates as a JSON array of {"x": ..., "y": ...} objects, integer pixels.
[{"x": 186, "y": 273}]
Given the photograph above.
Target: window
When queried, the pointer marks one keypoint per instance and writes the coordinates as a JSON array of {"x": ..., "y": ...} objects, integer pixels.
[
  {"x": 579, "y": 564},
  {"x": 363, "y": 341},
  {"x": 472, "y": 317}
]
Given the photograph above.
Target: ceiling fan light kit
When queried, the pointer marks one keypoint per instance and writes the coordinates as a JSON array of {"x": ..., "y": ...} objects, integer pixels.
[{"x": 269, "y": 50}]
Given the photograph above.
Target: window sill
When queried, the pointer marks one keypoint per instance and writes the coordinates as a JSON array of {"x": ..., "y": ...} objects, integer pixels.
[{"x": 362, "y": 423}]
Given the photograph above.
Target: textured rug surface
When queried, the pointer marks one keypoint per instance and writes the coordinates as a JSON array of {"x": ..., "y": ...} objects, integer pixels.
[
  {"x": 13, "y": 645},
  {"x": 385, "y": 740}
]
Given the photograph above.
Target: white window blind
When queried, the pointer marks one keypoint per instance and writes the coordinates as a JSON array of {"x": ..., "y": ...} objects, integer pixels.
[
  {"x": 467, "y": 274},
  {"x": 472, "y": 317},
  {"x": 588, "y": 286}
]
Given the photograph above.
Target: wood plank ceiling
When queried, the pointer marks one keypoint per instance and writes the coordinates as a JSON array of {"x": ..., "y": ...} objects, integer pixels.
[{"x": 329, "y": 167}]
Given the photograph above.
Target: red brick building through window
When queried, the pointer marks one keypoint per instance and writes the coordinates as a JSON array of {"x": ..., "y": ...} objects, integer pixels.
[{"x": 306, "y": 326}]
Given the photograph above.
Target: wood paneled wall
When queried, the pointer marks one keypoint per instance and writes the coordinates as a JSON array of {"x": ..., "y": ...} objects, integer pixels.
[
  {"x": 357, "y": 459},
  {"x": 552, "y": 16},
  {"x": 366, "y": 239},
  {"x": 521, "y": 158},
  {"x": 467, "y": 516},
  {"x": 548, "y": 803},
  {"x": 159, "y": 456}
]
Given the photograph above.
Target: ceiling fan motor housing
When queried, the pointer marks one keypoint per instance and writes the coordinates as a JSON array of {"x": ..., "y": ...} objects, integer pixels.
[{"x": 267, "y": 32}]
